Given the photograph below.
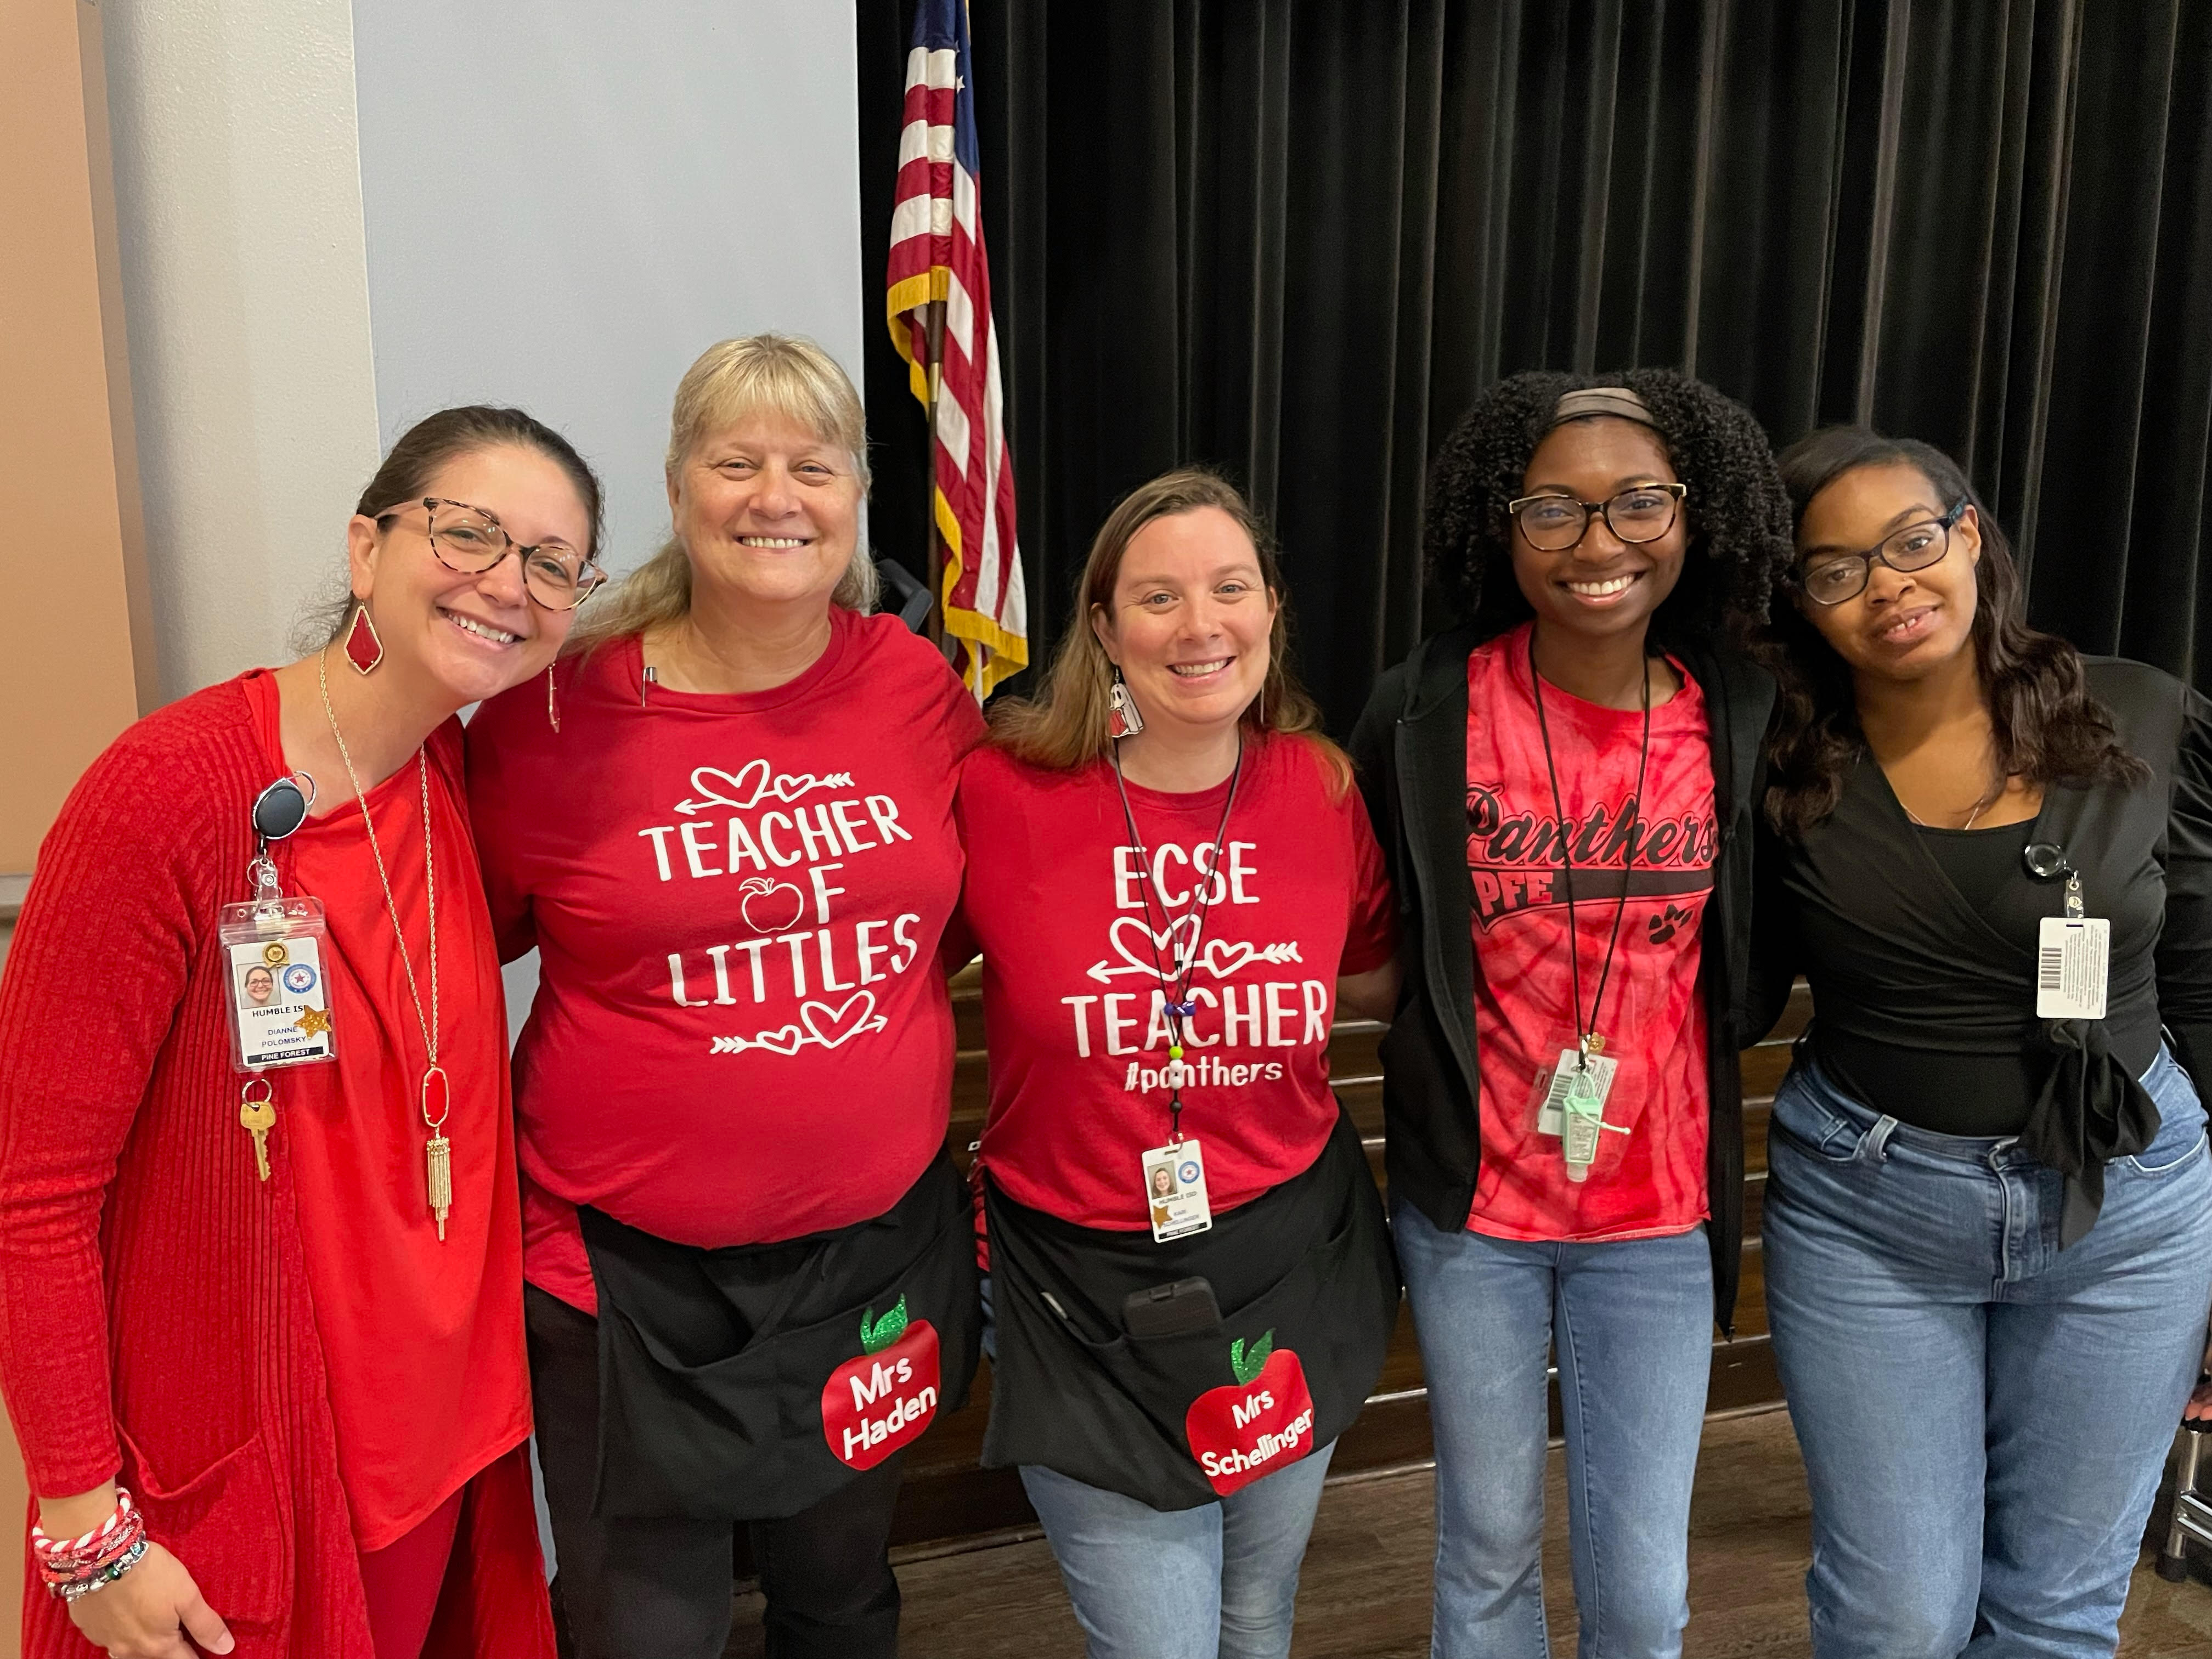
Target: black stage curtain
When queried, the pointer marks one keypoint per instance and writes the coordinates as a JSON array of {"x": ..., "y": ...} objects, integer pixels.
[{"x": 1295, "y": 240}]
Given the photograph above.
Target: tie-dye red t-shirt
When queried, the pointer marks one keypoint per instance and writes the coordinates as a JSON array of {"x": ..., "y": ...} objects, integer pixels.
[{"x": 1648, "y": 1179}]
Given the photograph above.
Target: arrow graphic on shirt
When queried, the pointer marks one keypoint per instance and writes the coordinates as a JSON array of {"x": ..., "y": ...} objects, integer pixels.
[
  {"x": 1220, "y": 957},
  {"x": 753, "y": 782},
  {"x": 818, "y": 1023}
]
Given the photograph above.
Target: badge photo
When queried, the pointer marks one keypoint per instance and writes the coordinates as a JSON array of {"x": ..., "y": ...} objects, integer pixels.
[
  {"x": 1175, "y": 1191},
  {"x": 279, "y": 998}
]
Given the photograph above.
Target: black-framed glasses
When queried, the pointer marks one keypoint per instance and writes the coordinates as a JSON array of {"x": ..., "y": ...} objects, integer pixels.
[
  {"x": 469, "y": 541},
  {"x": 1553, "y": 524},
  {"x": 1844, "y": 576}
]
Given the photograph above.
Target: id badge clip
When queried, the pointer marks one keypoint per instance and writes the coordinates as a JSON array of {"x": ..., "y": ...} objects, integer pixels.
[
  {"x": 2074, "y": 952},
  {"x": 1175, "y": 1191},
  {"x": 1571, "y": 1097},
  {"x": 272, "y": 948}
]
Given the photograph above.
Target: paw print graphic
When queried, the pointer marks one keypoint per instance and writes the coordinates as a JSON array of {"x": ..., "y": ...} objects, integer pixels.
[{"x": 1668, "y": 922}]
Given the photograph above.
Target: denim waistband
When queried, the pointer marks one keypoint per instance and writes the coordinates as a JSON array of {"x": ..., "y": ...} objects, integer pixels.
[{"x": 1964, "y": 1149}]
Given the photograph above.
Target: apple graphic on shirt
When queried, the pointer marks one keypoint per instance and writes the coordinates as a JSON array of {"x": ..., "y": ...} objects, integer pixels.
[
  {"x": 770, "y": 906},
  {"x": 1262, "y": 1423},
  {"x": 887, "y": 1396}
]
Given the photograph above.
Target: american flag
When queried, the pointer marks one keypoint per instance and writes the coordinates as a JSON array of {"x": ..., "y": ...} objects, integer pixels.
[{"x": 938, "y": 256}]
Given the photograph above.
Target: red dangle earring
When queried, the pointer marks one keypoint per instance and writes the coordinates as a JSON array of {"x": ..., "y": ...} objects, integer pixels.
[
  {"x": 362, "y": 647},
  {"x": 1124, "y": 720}
]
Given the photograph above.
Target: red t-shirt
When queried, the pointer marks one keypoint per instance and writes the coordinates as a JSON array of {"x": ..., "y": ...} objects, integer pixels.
[
  {"x": 1651, "y": 1180},
  {"x": 1072, "y": 993},
  {"x": 741, "y": 1033},
  {"x": 423, "y": 1339}
]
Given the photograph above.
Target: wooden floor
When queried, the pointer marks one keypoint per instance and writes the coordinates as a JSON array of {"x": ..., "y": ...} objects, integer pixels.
[{"x": 1365, "y": 1593}]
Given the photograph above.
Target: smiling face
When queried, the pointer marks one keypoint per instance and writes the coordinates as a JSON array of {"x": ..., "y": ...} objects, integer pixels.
[
  {"x": 1906, "y": 623},
  {"x": 260, "y": 986},
  {"x": 1189, "y": 620},
  {"x": 1602, "y": 585},
  {"x": 768, "y": 510},
  {"x": 471, "y": 636}
]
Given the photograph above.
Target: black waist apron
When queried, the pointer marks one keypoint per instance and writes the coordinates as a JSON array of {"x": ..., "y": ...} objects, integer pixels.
[
  {"x": 748, "y": 1383},
  {"x": 1308, "y": 1289}
]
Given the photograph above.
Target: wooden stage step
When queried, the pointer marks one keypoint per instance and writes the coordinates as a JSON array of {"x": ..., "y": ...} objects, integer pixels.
[{"x": 949, "y": 1496}]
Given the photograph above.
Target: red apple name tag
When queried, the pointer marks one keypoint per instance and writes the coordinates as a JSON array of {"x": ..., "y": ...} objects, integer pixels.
[
  {"x": 1262, "y": 1424},
  {"x": 883, "y": 1400}
]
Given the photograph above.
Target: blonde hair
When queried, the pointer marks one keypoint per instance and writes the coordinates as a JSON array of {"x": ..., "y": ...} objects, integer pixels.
[
  {"x": 1065, "y": 726},
  {"x": 779, "y": 374}
]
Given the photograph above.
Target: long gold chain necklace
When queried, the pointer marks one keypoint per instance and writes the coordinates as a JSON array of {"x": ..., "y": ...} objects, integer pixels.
[{"x": 437, "y": 1095}]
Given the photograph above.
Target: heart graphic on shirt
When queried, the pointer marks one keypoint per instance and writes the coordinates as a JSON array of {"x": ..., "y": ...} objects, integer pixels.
[
  {"x": 770, "y": 906},
  {"x": 784, "y": 1040},
  {"x": 751, "y": 784},
  {"x": 1179, "y": 950},
  {"x": 1237, "y": 953},
  {"x": 831, "y": 1026}
]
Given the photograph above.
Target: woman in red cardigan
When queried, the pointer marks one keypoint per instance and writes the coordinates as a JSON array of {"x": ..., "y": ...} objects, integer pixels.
[{"x": 260, "y": 1253}]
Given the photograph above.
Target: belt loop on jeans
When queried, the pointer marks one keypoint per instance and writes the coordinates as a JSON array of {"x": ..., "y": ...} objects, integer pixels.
[{"x": 1876, "y": 1144}]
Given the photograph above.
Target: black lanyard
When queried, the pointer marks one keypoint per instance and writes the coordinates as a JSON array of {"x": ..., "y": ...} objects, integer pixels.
[
  {"x": 1587, "y": 1039},
  {"x": 1179, "y": 1007}
]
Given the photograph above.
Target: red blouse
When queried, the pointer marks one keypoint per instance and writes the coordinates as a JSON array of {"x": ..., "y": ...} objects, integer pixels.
[{"x": 423, "y": 1337}]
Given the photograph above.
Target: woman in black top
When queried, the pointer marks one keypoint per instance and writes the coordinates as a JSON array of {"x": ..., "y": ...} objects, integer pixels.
[{"x": 1989, "y": 1210}]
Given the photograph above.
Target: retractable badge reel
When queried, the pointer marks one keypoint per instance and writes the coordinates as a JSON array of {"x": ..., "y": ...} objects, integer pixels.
[
  {"x": 272, "y": 950},
  {"x": 2074, "y": 952}
]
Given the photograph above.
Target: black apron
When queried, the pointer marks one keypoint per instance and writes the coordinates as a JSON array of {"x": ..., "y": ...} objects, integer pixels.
[
  {"x": 748, "y": 1383},
  {"x": 1308, "y": 1289}
]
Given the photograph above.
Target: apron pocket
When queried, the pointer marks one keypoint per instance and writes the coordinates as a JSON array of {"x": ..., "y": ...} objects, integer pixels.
[
  {"x": 797, "y": 1410},
  {"x": 1175, "y": 1421}
]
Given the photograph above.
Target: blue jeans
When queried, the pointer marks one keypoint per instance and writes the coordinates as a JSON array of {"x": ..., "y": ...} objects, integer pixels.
[
  {"x": 1632, "y": 1323},
  {"x": 1217, "y": 1581},
  {"x": 1985, "y": 1418}
]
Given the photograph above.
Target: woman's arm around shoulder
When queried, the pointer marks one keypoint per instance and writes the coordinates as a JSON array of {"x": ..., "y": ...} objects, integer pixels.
[
  {"x": 1374, "y": 759},
  {"x": 506, "y": 767},
  {"x": 2184, "y": 943},
  {"x": 1369, "y": 976}
]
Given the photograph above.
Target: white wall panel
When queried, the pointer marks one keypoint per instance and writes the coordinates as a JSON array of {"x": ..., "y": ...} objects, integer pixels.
[
  {"x": 238, "y": 205},
  {"x": 566, "y": 200}
]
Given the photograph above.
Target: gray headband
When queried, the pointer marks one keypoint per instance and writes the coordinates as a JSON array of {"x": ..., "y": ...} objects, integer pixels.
[{"x": 1615, "y": 400}]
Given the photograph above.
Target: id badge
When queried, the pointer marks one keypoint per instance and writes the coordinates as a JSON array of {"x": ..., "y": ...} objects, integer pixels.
[
  {"x": 280, "y": 998},
  {"x": 1552, "y": 1085},
  {"x": 1175, "y": 1191},
  {"x": 2073, "y": 956}
]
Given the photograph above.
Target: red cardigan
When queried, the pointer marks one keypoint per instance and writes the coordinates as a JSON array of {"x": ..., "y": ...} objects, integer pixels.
[{"x": 154, "y": 1316}]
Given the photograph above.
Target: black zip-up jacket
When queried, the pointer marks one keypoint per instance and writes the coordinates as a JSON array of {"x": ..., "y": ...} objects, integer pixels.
[{"x": 1410, "y": 749}]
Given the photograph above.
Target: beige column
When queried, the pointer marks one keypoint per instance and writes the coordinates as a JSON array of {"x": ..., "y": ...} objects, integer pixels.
[{"x": 76, "y": 661}]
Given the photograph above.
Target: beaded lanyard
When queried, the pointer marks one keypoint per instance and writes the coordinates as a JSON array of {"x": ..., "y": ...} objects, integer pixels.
[{"x": 1180, "y": 1007}]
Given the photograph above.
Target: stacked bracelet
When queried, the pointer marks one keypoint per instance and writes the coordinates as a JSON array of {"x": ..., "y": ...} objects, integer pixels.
[{"x": 82, "y": 1565}]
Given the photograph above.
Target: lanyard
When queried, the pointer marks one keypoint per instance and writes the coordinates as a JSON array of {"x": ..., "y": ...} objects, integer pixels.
[
  {"x": 1587, "y": 1039},
  {"x": 1179, "y": 1007}
]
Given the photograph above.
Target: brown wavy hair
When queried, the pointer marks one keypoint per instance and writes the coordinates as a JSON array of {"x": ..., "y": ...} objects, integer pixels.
[
  {"x": 1065, "y": 725},
  {"x": 2047, "y": 727}
]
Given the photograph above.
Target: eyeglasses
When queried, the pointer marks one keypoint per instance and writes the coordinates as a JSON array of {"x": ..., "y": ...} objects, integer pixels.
[
  {"x": 468, "y": 541},
  {"x": 1913, "y": 547},
  {"x": 1553, "y": 524}
]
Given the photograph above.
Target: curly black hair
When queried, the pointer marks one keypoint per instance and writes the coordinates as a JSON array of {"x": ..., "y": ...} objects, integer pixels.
[{"x": 1740, "y": 523}]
